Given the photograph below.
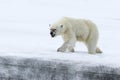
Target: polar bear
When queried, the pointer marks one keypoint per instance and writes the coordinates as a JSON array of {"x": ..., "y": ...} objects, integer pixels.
[{"x": 73, "y": 30}]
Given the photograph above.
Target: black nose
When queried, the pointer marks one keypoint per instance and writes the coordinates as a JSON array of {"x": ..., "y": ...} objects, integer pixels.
[{"x": 51, "y": 33}]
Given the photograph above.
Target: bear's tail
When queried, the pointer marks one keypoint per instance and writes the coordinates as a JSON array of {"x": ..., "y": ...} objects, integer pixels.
[{"x": 98, "y": 50}]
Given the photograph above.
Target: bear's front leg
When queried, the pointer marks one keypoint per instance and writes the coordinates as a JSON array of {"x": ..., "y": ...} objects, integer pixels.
[
  {"x": 61, "y": 49},
  {"x": 67, "y": 45},
  {"x": 69, "y": 42},
  {"x": 71, "y": 49}
]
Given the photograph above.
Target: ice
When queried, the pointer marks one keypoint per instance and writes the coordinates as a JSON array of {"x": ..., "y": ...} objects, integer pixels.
[{"x": 24, "y": 29}]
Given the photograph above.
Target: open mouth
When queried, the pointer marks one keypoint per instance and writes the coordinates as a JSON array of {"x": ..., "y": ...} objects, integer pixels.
[{"x": 52, "y": 34}]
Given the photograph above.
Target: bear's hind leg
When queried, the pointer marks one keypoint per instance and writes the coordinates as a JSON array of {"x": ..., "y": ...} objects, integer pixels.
[
  {"x": 91, "y": 47},
  {"x": 98, "y": 50}
]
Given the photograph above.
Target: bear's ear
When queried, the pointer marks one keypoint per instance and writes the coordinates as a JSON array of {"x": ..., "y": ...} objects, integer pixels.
[{"x": 61, "y": 25}]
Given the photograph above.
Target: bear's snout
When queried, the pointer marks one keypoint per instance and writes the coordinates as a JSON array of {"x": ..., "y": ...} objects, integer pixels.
[{"x": 52, "y": 34}]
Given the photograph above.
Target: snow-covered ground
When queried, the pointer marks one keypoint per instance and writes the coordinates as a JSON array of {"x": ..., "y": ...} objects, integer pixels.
[{"x": 24, "y": 29}]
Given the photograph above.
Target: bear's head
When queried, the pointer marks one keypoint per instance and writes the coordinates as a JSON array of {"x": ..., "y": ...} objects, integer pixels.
[{"x": 56, "y": 30}]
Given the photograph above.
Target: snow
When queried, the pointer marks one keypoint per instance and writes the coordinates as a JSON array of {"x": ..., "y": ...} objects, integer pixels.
[{"x": 24, "y": 29}]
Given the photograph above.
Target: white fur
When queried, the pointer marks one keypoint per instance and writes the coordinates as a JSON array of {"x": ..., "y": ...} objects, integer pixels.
[{"x": 77, "y": 30}]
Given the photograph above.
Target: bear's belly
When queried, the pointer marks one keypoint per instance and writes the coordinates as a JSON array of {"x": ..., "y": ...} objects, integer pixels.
[{"x": 81, "y": 37}]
